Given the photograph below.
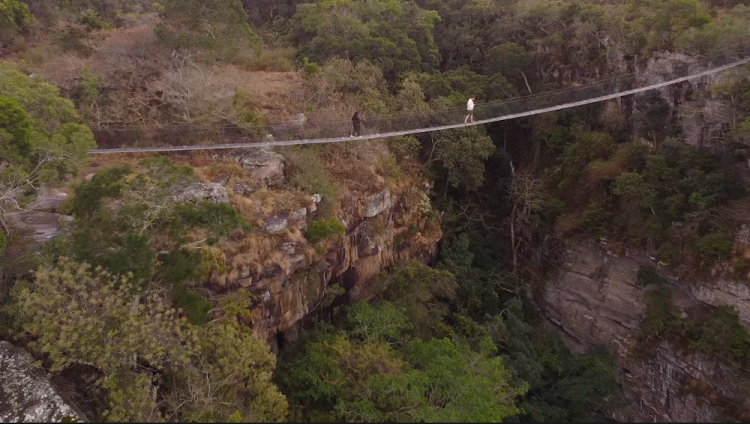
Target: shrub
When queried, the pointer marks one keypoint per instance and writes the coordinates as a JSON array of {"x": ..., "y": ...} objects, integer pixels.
[
  {"x": 14, "y": 17},
  {"x": 662, "y": 320},
  {"x": 309, "y": 69},
  {"x": 276, "y": 60},
  {"x": 193, "y": 304},
  {"x": 90, "y": 20},
  {"x": 647, "y": 275},
  {"x": 219, "y": 27},
  {"x": 714, "y": 248},
  {"x": 722, "y": 335},
  {"x": 321, "y": 230},
  {"x": 308, "y": 173},
  {"x": 40, "y": 99},
  {"x": 219, "y": 219},
  {"x": 181, "y": 265}
]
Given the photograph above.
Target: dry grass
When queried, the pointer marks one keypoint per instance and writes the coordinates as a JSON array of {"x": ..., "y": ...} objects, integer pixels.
[
  {"x": 141, "y": 85},
  {"x": 255, "y": 252},
  {"x": 274, "y": 60},
  {"x": 354, "y": 165},
  {"x": 568, "y": 222},
  {"x": 272, "y": 92}
]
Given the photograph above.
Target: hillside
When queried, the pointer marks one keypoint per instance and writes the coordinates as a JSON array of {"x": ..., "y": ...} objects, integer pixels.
[{"x": 587, "y": 263}]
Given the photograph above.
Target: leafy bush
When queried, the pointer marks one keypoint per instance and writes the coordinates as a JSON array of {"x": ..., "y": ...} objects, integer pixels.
[
  {"x": 309, "y": 69},
  {"x": 647, "y": 276},
  {"x": 662, "y": 320},
  {"x": 277, "y": 60},
  {"x": 309, "y": 174},
  {"x": 90, "y": 20},
  {"x": 218, "y": 218},
  {"x": 722, "y": 335},
  {"x": 15, "y": 17},
  {"x": 219, "y": 27},
  {"x": 181, "y": 265},
  {"x": 191, "y": 302},
  {"x": 322, "y": 230},
  {"x": 40, "y": 99},
  {"x": 714, "y": 248},
  {"x": 89, "y": 196}
]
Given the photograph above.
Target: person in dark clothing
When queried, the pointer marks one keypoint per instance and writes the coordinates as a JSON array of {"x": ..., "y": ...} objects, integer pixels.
[{"x": 356, "y": 125}]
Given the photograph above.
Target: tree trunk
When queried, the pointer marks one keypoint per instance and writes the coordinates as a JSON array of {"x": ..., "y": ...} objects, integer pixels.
[{"x": 513, "y": 239}]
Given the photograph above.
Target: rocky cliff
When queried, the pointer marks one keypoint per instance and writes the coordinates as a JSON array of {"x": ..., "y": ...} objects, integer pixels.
[
  {"x": 704, "y": 119},
  {"x": 291, "y": 277},
  {"x": 381, "y": 237},
  {"x": 594, "y": 300},
  {"x": 26, "y": 395}
]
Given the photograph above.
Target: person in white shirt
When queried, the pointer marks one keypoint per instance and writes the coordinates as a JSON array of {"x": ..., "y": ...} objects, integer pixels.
[{"x": 470, "y": 110}]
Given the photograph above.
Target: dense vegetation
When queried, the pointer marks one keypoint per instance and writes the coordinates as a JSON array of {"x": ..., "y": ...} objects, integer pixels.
[{"x": 118, "y": 307}]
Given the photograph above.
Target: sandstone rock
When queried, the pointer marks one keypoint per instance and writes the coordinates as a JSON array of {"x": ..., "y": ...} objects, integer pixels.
[
  {"x": 25, "y": 393},
  {"x": 299, "y": 120},
  {"x": 198, "y": 192},
  {"x": 298, "y": 215},
  {"x": 243, "y": 189},
  {"x": 221, "y": 179},
  {"x": 43, "y": 224},
  {"x": 262, "y": 165},
  {"x": 48, "y": 200},
  {"x": 377, "y": 203},
  {"x": 276, "y": 224},
  {"x": 354, "y": 264},
  {"x": 289, "y": 248},
  {"x": 595, "y": 301}
]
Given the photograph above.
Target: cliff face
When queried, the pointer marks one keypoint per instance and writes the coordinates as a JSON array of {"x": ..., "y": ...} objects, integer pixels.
[
  {"x": 26, "y": 395},
  {"x": 703, "y": 119},
  {"x": 385, "y": 224},
  {"x": 370, "y": 247},
  {"x": 594, "y": 301}
]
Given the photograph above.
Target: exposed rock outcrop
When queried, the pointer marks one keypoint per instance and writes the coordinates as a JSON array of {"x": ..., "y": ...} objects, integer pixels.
[
  {"x": 42, "y": 219},
  {"x": 262, "y": 165},
  {"x": 377, "y": 203},
  {"x": 704, "y": 120},
  {"x": 198, "y": 192},
  {"x": 25, "y": 393},
  {"x": 595, "y": 301},
  {"x": 290, "y": 293}
]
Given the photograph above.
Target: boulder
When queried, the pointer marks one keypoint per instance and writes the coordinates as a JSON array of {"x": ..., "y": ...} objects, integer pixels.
[
  {"x": 276, "y": 224},
  {"x": 377, "y": 203},
  {"x": 49, "y": 200},
  {"x": 44, "y": 224},
  {"x": 262, "y": 165},
  {"x": 26, "y": 395},
  {"x": 298, "y": 215},
  {"x": 243, "y": 189},
  {"x": 197, "y": 192}
]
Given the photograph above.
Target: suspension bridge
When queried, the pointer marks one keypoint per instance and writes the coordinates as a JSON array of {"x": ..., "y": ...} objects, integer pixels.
[{"x": 415, "y": 123}]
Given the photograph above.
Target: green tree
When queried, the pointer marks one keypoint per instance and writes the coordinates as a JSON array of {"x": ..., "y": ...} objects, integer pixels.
[
  {"x": 462, "y": 153},
  {"x": 218, "y": 27},
  {"x": 395, "y": 35},
  {"x": 41, "y": 100},
  {"x": 34, "y": 157},
  {"x": 372, "y": 373},
  {"x": 228, "y": 373},
  {"x": 14, "y": 17},
  {"x": 423, "y": 294},
  {"x": 511, "y": 61}
]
